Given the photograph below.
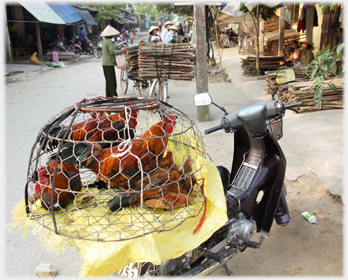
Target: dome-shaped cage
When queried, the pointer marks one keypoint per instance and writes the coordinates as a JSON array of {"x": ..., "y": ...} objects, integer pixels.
[{"x": 116, "y": 169}]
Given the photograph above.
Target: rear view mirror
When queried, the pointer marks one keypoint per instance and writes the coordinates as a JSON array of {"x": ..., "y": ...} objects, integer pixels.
[
  {"x": 285, "y": 76},
  {"x": 202, "y": 99}
]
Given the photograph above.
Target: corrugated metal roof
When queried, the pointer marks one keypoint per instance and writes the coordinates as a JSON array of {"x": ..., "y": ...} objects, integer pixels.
[
  {"x": 85, "y": 14},
  {"x": 66, "y": 12},
  {"x": 42, "y": 12}
]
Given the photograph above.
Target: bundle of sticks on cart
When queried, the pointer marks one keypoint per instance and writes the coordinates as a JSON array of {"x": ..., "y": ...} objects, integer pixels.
[
  {"x": 159, "y": 60},
  {"x": 301, "y": 90},
  {"x": 132, "y": 62}
]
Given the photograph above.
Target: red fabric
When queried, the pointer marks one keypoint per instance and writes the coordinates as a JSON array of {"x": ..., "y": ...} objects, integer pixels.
[
  {"x": 204, "y": 211},
  {"x": 302, "y": 21}
]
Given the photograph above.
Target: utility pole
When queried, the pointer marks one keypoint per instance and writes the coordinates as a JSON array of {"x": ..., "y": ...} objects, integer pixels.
[
  {"x": 203, "y": 112},
  {"x": 281, "y": 30}
]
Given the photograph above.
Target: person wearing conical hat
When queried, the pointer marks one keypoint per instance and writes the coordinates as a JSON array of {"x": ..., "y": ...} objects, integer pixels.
[
  {"x": 165, "y": 29},
  {"x": 153, "y": 34},
  {"x": 172, "y": 32},
  {"x": 109, "y": 60},
  {"x": 307, "y": 54}
]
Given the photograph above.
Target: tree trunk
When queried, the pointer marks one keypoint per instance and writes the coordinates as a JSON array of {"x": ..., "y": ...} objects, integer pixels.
[{"x": 281, "y": 31}]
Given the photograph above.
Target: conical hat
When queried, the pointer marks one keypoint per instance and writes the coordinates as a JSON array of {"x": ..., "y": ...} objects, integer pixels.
[
  {"x": 153, "y": 28},
  {"x": 109, "y": 31},
  {"x": 307, "y": 41},
  {"x": 173, "y": 27},
  {"x": 167, "y": 23}
]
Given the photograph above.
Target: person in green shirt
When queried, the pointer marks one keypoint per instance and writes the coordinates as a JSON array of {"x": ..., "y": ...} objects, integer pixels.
[
  {"x": 109, "y": 60},
  {"x": 307, "y": 54}
]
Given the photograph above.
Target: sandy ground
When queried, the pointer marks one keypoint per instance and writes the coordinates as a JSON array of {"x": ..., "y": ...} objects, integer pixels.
[{"x": 299, "y": 249}]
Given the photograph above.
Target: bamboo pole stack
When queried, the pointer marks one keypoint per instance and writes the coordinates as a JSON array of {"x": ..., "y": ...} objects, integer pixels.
[
  {"x": 266, "y": 63},
  {"x": 300, "y": 76},
  {"x": 303, "y": 92},
  {"x": 173, "y": 61},
  {"x": 132, "y": 62}
]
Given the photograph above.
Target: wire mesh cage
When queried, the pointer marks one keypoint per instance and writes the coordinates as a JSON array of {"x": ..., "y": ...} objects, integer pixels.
[
  {"x": 275, "y": 127},
  {"x": 115, "y": 169}
]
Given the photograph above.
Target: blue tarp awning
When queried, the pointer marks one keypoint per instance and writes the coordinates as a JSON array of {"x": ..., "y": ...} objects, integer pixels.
[
  {"x": 86, "y": 15},
  {"x": 65, "y": 12}
]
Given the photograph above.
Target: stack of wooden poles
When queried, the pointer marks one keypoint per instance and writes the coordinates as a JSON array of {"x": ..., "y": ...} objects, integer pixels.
[
  {"x": 266, "y": 63},
  {"x": 303, "y": 92},
  {"x": 300, "y": 76},
  {"x": 173, "y": 61},
  {"x": 132, "y": 62}
]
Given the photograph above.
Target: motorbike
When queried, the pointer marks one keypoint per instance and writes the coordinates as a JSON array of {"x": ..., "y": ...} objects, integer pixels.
[
  {"x": 119, "y": 43},
  {"x": 71, "y": 47},
  {"x": 89, "y": 45},
  {"x": 254, "y": 188}
]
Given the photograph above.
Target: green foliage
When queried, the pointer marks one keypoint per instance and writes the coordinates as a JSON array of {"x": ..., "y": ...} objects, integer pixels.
[
  {"x": 150, "y": 9},
  {"x": 323, "y": 65},
  {"x": 185, "y": 10},
  {"x": 264, "y": 11},
  {"x": 107, "y": 10}
]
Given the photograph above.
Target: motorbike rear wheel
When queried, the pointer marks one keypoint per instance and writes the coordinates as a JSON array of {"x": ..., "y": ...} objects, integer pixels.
[
  {"x": 98, "y": 53},
  {"x": 77, "y": 51}
]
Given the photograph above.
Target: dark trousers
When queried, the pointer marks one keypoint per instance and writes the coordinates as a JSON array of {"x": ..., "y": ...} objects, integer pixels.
[
  {"x": 110, "y": 81},
  {"x": 83, "y": 46}
]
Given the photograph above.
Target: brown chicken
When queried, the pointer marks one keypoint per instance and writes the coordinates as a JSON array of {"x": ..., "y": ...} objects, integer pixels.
[
  {"x": 102, "y": 128},
  {"x": 163, "y": 190},
  {"x": 115, "y": 166},
  {"x": 67, "y": 180}
]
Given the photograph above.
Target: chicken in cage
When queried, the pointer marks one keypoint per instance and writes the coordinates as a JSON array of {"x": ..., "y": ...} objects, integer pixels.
[{"x": 111, "y": 169}]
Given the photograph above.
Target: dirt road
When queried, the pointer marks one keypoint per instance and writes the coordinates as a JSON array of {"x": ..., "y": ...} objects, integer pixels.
[{"x": 300, "y": 249}]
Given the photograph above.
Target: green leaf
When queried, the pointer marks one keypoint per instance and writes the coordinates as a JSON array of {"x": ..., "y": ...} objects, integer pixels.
[
  {"x": 333, "y": 6},
  {"x": 314, "y": 71},
  {"x": 339, "y": 48},
  {"x": 317, "y": 97},
  {"x": 334, "y": 68},
  {"x": 332, "y": 86}
]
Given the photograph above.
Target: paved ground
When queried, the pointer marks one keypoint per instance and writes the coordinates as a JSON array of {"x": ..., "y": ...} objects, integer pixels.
[{"x": 312, "y": 143}]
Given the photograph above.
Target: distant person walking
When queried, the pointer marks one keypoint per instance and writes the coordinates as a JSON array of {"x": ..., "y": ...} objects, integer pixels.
[
  {"x": 83, "y": 40},
  {"x": 109, "y": 60}
]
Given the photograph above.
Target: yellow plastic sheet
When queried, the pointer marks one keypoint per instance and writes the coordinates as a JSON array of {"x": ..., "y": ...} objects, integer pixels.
[{"x": 105, "y": 258}]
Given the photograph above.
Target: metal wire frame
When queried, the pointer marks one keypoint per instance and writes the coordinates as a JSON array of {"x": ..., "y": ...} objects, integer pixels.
[{"x": 105, "y": 236}]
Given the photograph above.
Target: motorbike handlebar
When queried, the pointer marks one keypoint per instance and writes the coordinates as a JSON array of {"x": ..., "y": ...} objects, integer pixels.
[
  {"x": 213, "y": 129},
  {"x": 292, "y": 105}
]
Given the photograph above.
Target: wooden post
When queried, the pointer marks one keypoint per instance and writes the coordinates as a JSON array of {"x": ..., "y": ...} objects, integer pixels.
[
  {"x": 201, "y": 58},
  {"x": 38, "y": 37},
  {"x": 262, "y": 36},
  {"x": 309, "y": 22},
  {"x": 281, "y": 31},
  {"x": 8, "y": 42}
]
